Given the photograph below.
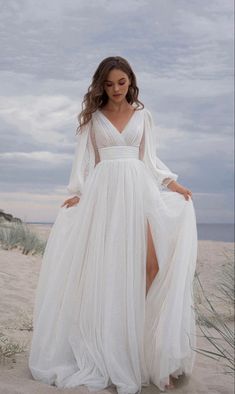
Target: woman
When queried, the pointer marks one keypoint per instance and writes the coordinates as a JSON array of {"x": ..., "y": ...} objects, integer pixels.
[{"x": 114, "y": 302}]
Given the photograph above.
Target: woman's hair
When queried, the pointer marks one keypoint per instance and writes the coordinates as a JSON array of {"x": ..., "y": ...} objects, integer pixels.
[{"x": 96, "y": 96}]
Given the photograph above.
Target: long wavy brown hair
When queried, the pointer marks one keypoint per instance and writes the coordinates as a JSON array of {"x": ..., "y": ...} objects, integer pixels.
[{"x": 96, "y": 97}]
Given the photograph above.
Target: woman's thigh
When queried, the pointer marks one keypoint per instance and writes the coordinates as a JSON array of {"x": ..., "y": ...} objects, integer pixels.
[{"x": 152, "y": 267}]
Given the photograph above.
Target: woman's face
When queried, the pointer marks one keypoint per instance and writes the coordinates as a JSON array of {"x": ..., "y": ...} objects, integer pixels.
[{"x": 116, "y": 85}]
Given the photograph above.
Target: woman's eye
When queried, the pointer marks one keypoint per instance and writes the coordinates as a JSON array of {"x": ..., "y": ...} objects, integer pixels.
[{"x": 109, "y": 85}]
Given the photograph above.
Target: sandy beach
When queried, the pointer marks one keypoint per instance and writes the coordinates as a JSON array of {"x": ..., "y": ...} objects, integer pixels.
[{"x": 18, "y": 279}]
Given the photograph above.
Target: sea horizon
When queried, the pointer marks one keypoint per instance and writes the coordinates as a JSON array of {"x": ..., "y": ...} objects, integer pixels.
[{"x": 206, "y": 231}]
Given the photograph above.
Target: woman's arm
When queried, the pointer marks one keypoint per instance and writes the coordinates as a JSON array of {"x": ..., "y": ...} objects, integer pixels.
[
  {"x": 84, "y": 161},
  {"x": 177, "y": 187},
  {"x": 164, "y": 176}
]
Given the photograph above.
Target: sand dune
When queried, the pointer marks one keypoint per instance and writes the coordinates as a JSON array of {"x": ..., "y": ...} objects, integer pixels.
[{"x": 18, "y": 280}]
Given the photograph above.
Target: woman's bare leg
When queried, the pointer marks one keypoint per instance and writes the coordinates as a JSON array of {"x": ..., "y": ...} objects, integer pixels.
[
  {"x": 152, "y": 269},
  {"x": 152, "y": 263},
  {"x": 171, "y": 384}
]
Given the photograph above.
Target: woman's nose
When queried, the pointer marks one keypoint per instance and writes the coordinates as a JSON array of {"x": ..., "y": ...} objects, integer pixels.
[{"x": 116, "y": 88}]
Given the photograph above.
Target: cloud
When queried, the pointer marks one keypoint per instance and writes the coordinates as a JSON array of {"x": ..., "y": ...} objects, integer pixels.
[
  {"x": 213, "y": 207},
  {"x": 48, "y": 158},
  {"x": 42, "y": 118}
]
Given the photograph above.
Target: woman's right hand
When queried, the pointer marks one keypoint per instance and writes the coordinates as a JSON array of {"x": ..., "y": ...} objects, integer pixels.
[{"x": 71, "y": 201}]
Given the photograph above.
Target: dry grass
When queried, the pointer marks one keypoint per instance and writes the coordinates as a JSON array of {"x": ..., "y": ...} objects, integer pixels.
[
  {"x": 216, "y": 326},
  {"x": 17, "y": 235},
  {"x": 8, "y": 348}
]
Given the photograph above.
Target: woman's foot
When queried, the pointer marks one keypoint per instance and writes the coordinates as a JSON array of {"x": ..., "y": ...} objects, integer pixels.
[{"x": 171, "y": 384}]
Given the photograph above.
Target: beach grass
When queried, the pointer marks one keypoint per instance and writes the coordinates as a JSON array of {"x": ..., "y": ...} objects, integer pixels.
[
  {"x": 217, "y": 326},
  {"x": 19, "y": 235},
  {"x": 8, "y": 348}
]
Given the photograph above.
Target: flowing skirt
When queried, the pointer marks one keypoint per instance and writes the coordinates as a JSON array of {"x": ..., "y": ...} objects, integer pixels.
[{"x": 93, "y": 323}]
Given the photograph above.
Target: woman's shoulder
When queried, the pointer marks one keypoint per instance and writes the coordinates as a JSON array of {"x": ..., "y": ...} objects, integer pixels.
[
  {"x": 145, "y": 111},
  {"x": 147, "y": 114},
  {"x": 85, "y": 128}
]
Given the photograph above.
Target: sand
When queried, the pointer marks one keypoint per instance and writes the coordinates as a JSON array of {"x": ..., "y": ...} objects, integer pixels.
[{"x": 18, "y": 280}]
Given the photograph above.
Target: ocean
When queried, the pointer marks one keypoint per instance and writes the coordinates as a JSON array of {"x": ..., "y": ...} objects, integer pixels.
[
  {"x": 206, "y": 231},
  {"x": 216, "y": 231}
]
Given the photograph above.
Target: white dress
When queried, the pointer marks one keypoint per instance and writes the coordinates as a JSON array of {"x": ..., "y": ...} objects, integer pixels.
[{"x": 93, "y": 323}]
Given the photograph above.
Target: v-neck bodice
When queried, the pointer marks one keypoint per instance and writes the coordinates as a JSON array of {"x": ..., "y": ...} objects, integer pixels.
[
  {"x": 106, "y": 134},
  {"x": 111, "y": 123},
  {"x": 99, "y": 133}
]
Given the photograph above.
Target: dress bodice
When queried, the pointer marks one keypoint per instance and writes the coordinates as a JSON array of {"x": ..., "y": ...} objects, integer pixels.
[
  {"x": 100, "y": 133},
  {"x": 105, "y": 134}
]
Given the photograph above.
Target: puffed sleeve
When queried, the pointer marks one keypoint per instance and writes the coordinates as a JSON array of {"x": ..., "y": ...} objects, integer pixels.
[
  {"x": 85, "y": 159},
  {"x": 158, "y": 169}
]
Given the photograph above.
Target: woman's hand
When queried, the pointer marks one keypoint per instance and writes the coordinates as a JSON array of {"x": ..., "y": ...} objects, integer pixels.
[
  {"x": 71, "y": 201},
  {"x": 176, "y": 187},
  {"x": 186, "y": 193}
]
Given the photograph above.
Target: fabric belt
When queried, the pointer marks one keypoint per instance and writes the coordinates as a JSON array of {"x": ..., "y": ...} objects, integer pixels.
[{"x": 119, "y": 152}]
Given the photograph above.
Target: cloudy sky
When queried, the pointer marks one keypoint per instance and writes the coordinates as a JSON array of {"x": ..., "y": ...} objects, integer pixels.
[{"x": 182, "y": 54}]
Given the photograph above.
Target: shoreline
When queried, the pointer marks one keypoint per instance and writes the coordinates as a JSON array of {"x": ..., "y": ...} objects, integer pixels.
[
  {"x": 227, "y": 237},
  {"x": 216, "y": 232}
]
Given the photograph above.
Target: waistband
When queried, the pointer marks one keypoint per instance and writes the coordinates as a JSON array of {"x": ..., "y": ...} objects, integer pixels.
[{"x": 119, "y": 152}]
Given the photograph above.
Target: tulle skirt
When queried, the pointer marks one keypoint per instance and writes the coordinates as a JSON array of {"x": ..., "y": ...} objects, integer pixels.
[{"x": 93, "y": 323}]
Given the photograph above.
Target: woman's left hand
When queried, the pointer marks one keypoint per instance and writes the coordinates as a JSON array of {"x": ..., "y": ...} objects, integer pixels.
[
  {"x": 177, "y": 187},
  {"x": 186, "y": 193}
]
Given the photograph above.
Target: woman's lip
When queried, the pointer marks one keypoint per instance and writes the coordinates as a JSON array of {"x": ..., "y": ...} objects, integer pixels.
[{"x": 117, "y": 94}]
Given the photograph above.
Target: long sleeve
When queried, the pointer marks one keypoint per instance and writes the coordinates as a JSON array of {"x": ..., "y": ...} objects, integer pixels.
[
  {"x": 85, "y": 159},
  {"x": 148, "y": 155}
]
